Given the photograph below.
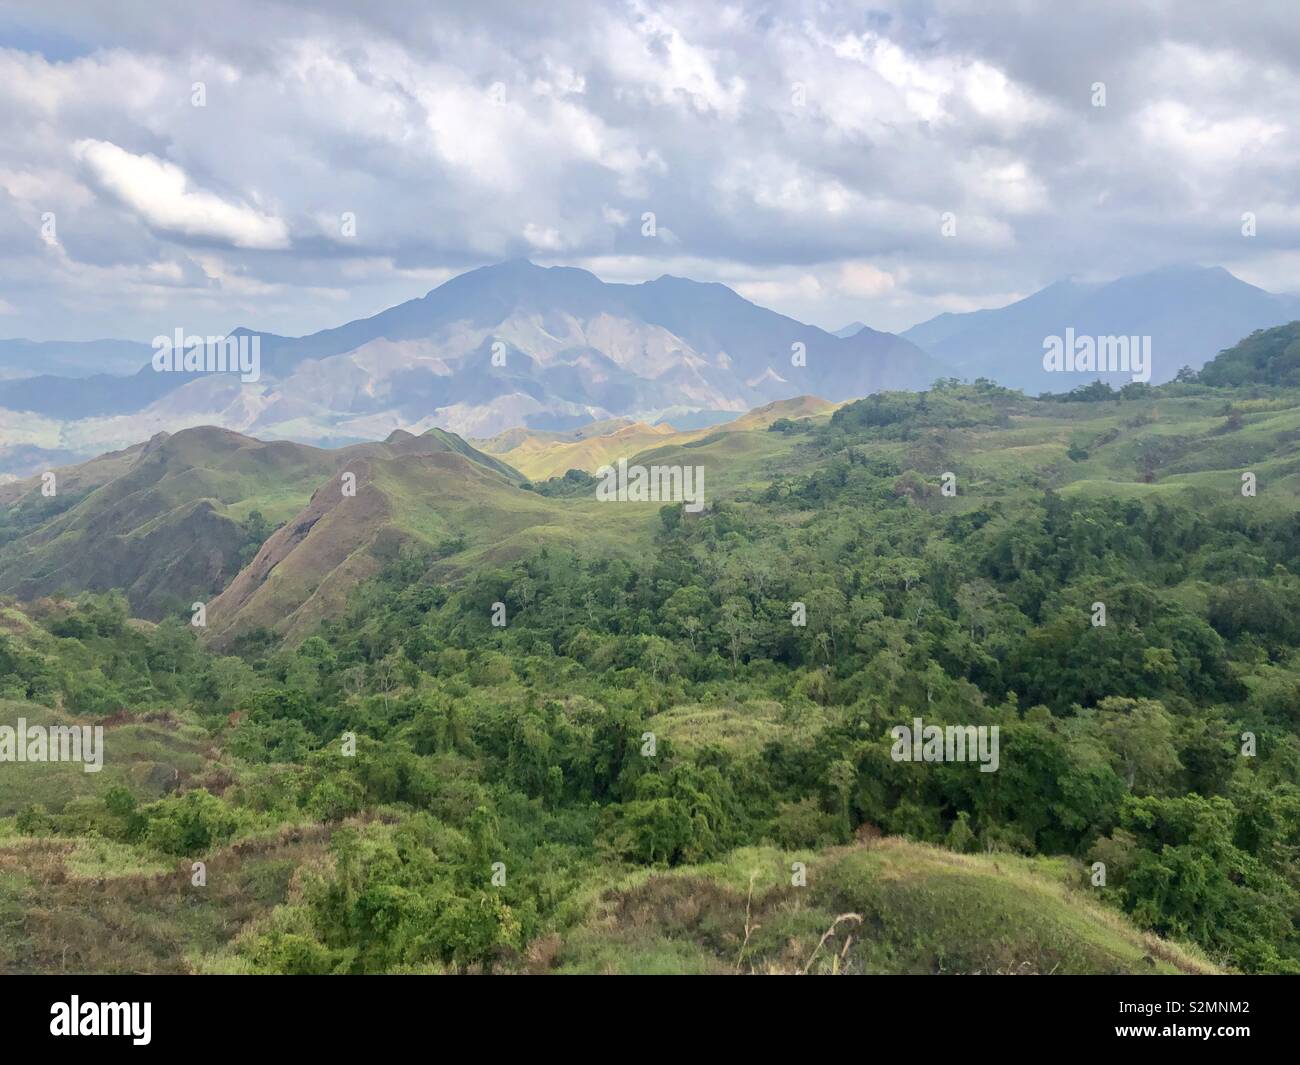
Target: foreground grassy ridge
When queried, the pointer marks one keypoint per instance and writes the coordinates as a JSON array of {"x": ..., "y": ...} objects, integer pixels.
[
  {"x": 910, "y": 909},
  {"x": 85, "y": 905},
  {"x": 82, "y": 905}
]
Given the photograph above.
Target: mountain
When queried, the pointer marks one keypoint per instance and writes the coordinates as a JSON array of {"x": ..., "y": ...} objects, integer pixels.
[
  {"x": 305, "y": 571},
  {"x": 852, "y": 329},
  {"x": 467, "y": 516},
  {"x": 175, "y": 518},
  {"x": 628, "y": 619},
  {"x": 1189, "y": 312},
  {"x": 84, "y": 358},
  {"x": 506, "y": 345}
]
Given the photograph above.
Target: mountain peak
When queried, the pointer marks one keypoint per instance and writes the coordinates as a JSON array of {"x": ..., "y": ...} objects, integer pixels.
[{"x": 520, "y": 263}]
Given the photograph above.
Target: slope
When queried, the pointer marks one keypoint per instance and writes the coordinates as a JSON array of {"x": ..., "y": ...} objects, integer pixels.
[
  {"x": 541, "y": 455},
  {"x": 886, "y": 906},
  {"x": 505, "y": 345},
  {"x": 439, "y": 500}
]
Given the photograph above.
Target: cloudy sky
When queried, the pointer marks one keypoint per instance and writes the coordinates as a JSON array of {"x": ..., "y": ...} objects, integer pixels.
[{"x": 290, "y": 166}]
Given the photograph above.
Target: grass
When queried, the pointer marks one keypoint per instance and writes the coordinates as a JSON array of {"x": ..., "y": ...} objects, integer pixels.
[
  {"x": 915, "y": 909},
  {"x": 740, "y": 730},
  {"x": 84, "y": 904},
  {"x": 77, "y": 906},
  {"x": 148, "y": 757}
]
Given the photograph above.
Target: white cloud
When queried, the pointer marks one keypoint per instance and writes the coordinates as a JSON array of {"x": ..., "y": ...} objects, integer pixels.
[
  {"x": 160, "y": 193},
  {"x": 864, "y": 280},
  {"x": 1203, "y": 142},
  {"x": 803, "y": 287},
  {"x": 653, "y": 54},
  {"x": 544, "y": 238}
]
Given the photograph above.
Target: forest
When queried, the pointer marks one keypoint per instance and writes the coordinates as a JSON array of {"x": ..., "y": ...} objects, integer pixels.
[{"x": 442, "y": 793}]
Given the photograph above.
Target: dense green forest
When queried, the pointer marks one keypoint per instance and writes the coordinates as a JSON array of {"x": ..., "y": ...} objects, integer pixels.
[{"x": 442, "y": 791}]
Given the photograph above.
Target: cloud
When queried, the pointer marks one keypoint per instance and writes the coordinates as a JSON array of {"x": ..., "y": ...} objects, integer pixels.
[
  {"x": 865, "y": 281},
  {"x": 159, "y": 193},
  {"x": 544, "y": 238},
  {"x": 461, "y": 134}
]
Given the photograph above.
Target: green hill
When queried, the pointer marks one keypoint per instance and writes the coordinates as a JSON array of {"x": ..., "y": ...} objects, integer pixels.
[
  {"x": 890, "y": 907},
  {"x": 1266, "y": 357},
  {"x": 886, "y": 907},
  {"x": 177, "y": 518},
  {"x": 305, "y": 571}
]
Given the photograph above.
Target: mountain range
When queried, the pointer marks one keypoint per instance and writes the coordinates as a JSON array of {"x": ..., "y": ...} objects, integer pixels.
[
  {"x": 516, "y": 345},
  {"x": 513, "y": 344},
  {"x": 268, "y": 536},
  {"x": 837, "y": 508}
]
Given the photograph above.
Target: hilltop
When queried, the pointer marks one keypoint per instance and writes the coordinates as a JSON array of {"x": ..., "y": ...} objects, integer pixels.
[
  {"x": 177, "y": 517},
  {"x": 888, "y": 906}
]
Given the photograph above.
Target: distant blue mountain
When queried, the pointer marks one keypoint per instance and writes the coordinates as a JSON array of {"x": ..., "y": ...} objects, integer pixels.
[
  {"x": 1191, "y": 314},
  {"x": 70, "y": 358}
]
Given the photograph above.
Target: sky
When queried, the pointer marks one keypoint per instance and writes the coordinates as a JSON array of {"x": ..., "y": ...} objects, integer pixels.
[{"x": 291, "y": 166}]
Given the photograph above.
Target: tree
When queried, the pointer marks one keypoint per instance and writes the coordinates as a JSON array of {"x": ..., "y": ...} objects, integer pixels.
[
  {"x": 737, "y": 619},
  {"x": 1140, "y": 734}
]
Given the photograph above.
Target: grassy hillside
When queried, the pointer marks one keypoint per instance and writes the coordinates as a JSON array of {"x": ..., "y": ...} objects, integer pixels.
[
  {"x": 305, "y": 571},
  {"x": 541, "y": 459},
  {"x": 176, "y": 518},
  {"x": 888, "y": 906},
  {"x": 542, "y": 455},
  {"x": 468, "y": 518},
  {"x": 149, "y": 754}
]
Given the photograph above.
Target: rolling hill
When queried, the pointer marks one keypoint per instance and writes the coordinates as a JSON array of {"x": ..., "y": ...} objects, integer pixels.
[
  {"x": 552, "y": 454},
  {"x": 542, "y": 455},
  {"x": 887, "y": 906},
  {"x": 306, "y": 570},
  {"x": 467, "y": 515},
  {"x": 651, "y": 743}
]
